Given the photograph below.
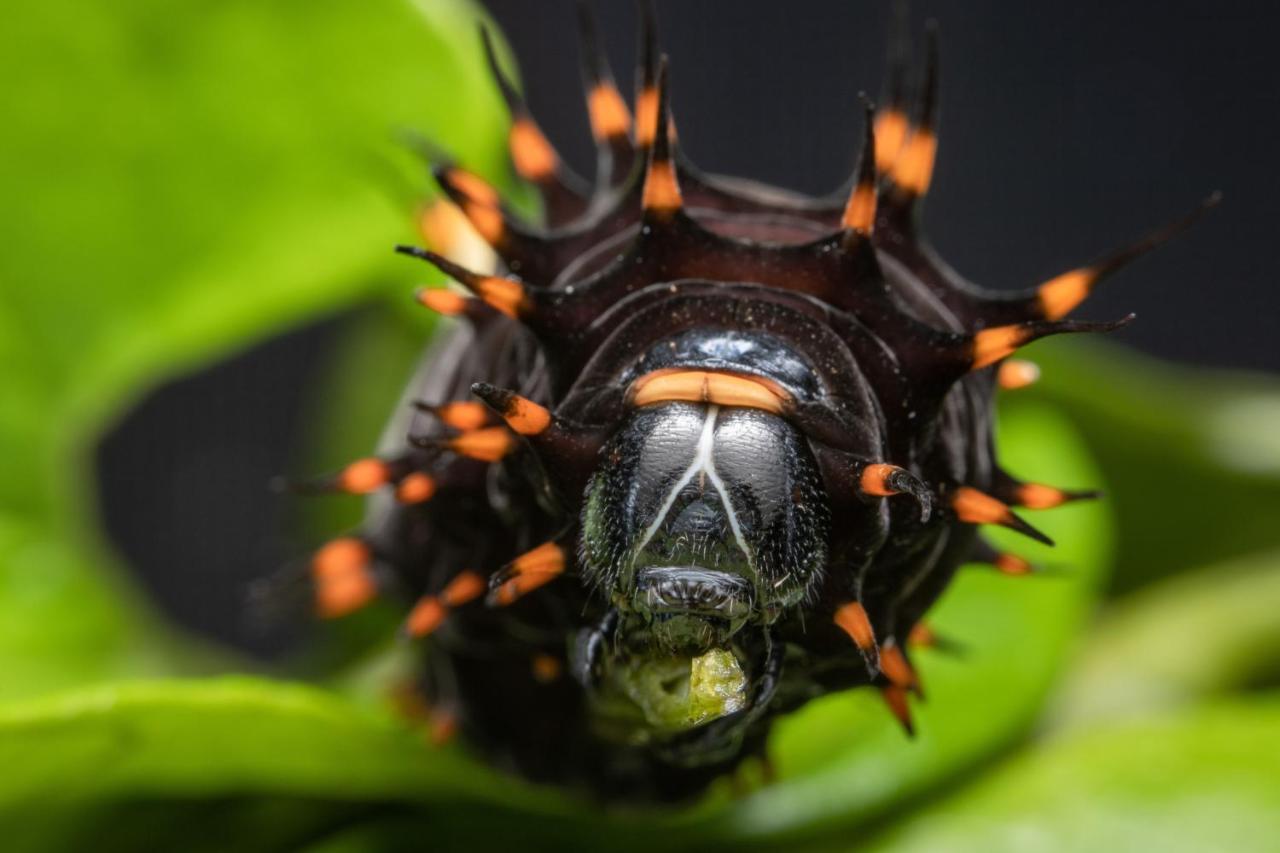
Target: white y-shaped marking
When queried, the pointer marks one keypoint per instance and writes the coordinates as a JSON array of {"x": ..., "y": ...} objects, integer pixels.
[{"x": 703, "y": 462}]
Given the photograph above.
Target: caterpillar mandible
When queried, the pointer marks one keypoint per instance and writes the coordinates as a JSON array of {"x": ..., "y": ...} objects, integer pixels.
[{"x": 701, "y": 451}]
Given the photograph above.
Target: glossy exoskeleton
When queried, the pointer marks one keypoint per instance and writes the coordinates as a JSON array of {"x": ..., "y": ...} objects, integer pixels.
[{"x": 718, "y": 425}]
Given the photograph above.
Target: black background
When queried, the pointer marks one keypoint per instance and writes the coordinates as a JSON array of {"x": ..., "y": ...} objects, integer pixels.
[{"x": 1067, "y": 129}]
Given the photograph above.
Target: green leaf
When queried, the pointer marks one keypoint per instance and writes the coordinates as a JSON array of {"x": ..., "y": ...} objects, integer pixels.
[
  {"x": 216, "y": 736},
  {"x": 1201, "y": 781},
  {"x": 1195, "y": 636},
  {"x": 1192, "y": 455},
  {"x": 191, "y": 178}
]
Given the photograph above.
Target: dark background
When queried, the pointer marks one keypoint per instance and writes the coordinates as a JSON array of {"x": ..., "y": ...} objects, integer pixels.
[{"x": 1067, "y": 129}]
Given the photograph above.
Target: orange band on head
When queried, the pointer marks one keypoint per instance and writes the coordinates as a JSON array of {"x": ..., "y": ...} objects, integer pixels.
[
  {"x": 891, "y": 131},
  {"x": 609, "y": 116},
  {"x": 913, "y": 170},
  {"x": 699, "y": 386},
  {"x": 852, "y": 619},
  {"x": 1058, "y": 296},
  {"x": 534, "y": 158}
]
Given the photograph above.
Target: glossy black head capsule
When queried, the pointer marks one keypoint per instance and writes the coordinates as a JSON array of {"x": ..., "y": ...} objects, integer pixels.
[{"x": 703, "y": 519}]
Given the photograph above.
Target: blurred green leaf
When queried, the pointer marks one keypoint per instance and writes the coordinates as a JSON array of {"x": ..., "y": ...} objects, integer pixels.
[
  {"x": 190, "y": 178},
  {"x": 211, "y": 738},
  {"x": 1201, "y": 781},
  {"x": 1198, "y": 635},
  {"x": 1192, "y": 455}
]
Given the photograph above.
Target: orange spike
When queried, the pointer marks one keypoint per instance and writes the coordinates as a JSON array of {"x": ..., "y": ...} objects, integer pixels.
[
  {"x": 876, "y": 479},
  {"x": 466, "y": 586},
  {"x": 1040, "y": 496},
  {"x": 1012, "y": 565},
  {"x": 610, "y": 118},
  {"x": 479, "y": 203},
  {"x": 416, "y": 488},
  {"x": 519, "y": 586},
  {"x": 1016, "y": 373},
  {"x": 701, "y": 386},
  {"x": 525, "y": 416},
  {"x": 891, "y": 132},
  {"x": 462, "y": 414},
  {"x": 893, "y": 663},
  {"x": 974, "y": 507},
  {"x": 1058, "y": 296},
  {"x": 343, "y": 581},
  {"x": 504, "y": 294},
  {"x": 444, "y": 727},
  {"x": 646, "y": 116},
  {"x": 442, "y": 301},
  {"x": 913, "y": 169},
  {"x": 528, "y": 572},
  {"x": 443, "y": 226},
  {"x": 860, "y": 212},
  {"x": 661, "y": 191},
  {"x": 852, "y": 619},
  {"x": 991, "y": 345},
  {"x": 425, "y": 617},
  {"x": 534, "y": 158},
  {"x": 430, "y": 611},
  {"x": 488, "y": 445},
  {"x": 546, "y": 668},
  {"x": 364, "y": 476},
  {"x": 922, "y": 636},
  {"x": 896, "y": 699},
  {"x": 473, "y": 186},
  {"x": 547, "y": 557}
]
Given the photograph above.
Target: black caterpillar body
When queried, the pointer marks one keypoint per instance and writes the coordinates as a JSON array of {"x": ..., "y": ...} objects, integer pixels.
[{"x": 727, "y": 433}]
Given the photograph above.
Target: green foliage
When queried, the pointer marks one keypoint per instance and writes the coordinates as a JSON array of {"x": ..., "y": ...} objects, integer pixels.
[{"x": 192, "y": 181}]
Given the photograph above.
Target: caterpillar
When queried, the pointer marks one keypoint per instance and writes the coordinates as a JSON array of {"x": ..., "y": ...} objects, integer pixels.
[{"x": 698, "y": 451}]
